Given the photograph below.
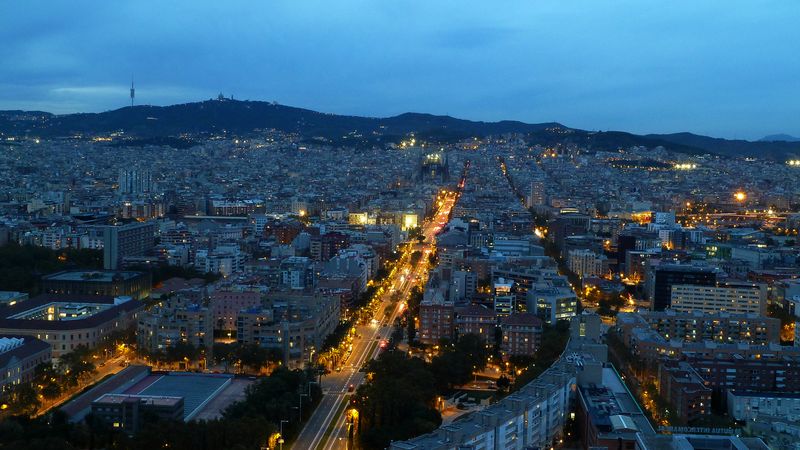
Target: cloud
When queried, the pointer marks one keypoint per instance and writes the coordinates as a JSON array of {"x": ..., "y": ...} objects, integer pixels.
[{"x": 727, "y": 67}]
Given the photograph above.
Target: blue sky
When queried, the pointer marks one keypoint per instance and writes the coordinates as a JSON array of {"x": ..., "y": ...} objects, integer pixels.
[{"x": 724, "y": 68}]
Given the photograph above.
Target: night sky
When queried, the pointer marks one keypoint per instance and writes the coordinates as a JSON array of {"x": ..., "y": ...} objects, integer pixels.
[{"x": 723, "y": 68}]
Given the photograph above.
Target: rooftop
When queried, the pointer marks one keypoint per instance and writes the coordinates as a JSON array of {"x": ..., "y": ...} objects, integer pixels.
[
  {"x": 19, "y": 347},
  {"x": 155, "y": 400},
  {"x": 89, "y": 311},
  {"x": 96, "y": 276}
]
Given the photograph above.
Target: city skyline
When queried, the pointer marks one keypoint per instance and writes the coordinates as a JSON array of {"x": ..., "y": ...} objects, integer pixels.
[
  {"x": 703, "y": 68},
  {"x": 400, "y": 225}
]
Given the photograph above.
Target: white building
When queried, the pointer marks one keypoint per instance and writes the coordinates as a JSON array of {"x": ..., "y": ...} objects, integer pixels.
[
  {"x": 552, "y": 303},
  {"x": 503, "y": 297},
  {"x": 736, "y": 298},
  {"x": 223, "y": 260},
  {"x": 749, "y": 405}
]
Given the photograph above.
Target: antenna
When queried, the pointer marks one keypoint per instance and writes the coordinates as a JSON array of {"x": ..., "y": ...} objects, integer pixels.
[{"x": 133, "y": 91}]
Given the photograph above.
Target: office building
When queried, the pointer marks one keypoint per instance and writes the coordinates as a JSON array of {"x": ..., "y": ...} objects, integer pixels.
[
  {"x": 119, "y": 241},
  {"x": 736, "y": 298},
  {"x": 504, "y": 299},
  {"x": 91, "y": 282},
  {"x": 126, "y": 411},
  {"x": 677, "y": 441},
  {"x": 748, "y": 406},
  {"x": 67, "y": 321},
  {"x": 11, "y": 298},
  {"x": 661, "y": 279},
  {"x": 552, "y": 303}
]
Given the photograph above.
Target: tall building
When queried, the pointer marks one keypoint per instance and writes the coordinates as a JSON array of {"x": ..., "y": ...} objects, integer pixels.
[
  {"x": 536, "y": 196},
  {"x": 662, "y": 278},
  {"x": 134, "y": 181},
  {"x": 586, "y": 263},
  {"x": 435, "y": 320},
  {"x": 134, "y": 239},
  {"x": 504, "y": 302}
]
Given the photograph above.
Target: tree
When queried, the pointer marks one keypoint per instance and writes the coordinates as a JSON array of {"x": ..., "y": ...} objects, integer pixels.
[
  {"x": 255, "y": 356},
  {"x": 184, "y": 351},
  {"x": 23, "y": 400},
  {"x": 416, "y": 234},
  {"x": 51, "y": 390},
  {"x": 21, "y": 266},
  {"x": 503, "y": 383},
  {"x": 473, "y": 348},
  {"x": 397, "y": 402},
  {"x": 77, "y": 365},
  {"x": 411, "y": 328}
]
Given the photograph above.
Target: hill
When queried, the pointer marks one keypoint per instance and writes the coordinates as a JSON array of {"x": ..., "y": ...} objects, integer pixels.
[
  {"x": 779, "y": 137},
  {"x": 732, "y": 147},
  {"x": 162, "y": 124}
]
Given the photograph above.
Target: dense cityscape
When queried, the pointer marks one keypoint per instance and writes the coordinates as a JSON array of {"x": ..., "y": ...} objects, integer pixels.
[
  {"x": 399, "y": 225},
  {"x": 484, "y": 293}
]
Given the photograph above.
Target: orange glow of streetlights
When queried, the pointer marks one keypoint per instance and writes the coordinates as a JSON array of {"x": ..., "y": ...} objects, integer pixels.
[{"x": 740, "y": 196}]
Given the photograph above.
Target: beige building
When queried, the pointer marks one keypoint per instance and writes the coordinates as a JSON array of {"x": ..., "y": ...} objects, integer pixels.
[
  {"x": 175, "y": 320},
  {"x": 67, "y": 321},
  {"x": 735, "y": 298},
  {"x": 297, "y": 325}
]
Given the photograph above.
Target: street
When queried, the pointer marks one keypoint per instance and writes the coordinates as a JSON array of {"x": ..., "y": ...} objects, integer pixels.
[
  {"x": 111, "y": 366},
  {"x": 366, "y": 344}
]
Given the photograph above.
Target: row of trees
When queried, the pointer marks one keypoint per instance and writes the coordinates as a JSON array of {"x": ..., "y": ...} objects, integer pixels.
[
  {"x": 246, "y": 356},
  {"x": 50, "y": 382},
  {"x": 248, "y": 424},
  {"x": 399, "y": 399},
  {"x": 22, "y": 266}
]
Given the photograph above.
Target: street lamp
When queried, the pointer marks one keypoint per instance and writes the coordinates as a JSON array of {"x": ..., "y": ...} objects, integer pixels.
[
  {"x": 300, "y": 407},
  {"x": 280, "y": 434}
]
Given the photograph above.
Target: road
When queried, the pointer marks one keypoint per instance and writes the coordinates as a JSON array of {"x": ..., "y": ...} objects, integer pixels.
[
  {"x": 366, "y": 344},
  {"x": 110, "y": 367}
]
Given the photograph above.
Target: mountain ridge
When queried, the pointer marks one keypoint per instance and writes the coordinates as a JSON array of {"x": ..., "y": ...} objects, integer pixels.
[{"x": 240, "y": 117}]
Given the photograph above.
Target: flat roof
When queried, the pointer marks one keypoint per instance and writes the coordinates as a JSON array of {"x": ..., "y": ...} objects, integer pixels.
[
  {"x": 94, "y": 276},
  {"x": 612, "y": 407},
  {"x": 156, "y": 400},
  {"x": 111, "y": 312},
  {"x": 196, "y": 389}
]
